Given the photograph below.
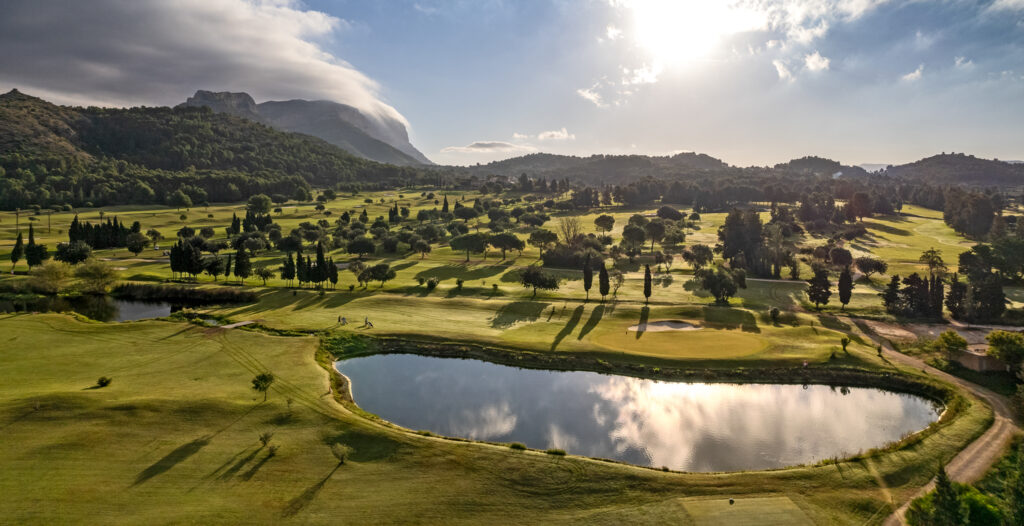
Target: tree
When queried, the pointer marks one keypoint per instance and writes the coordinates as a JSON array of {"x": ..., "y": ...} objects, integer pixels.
[
  {"x": 264, "y": 273},
  {"x": 618, "y": 278},
  {"x": 633, "y": 236},
  {"x": 840, "y": 257},
  {"x": 542, "y": 239},
  {"x": 647, "y": 283},
  {"x": 380, "y": 272},
  {"x": 860, "y": 205},
  {"x": 49, "y": 277},
  {"x": 1013, "y": 491},
  {"x": 466, "y": 213},
  {"x": 948, "y": 508},
  {"x": 819, "y": 288},
  {"x": 1007, "y": 346},
  {"x": 243, "y": 267},
  {"x": 845, "y": 287},
  {"x": 891, "y": 295},
  {"x": 588, "y": 276},
  {"x": 262, "y": 382},
  {"x": 571, "y": 230},
  {"x": 535, "y": 277},
  {"x": 950, "y": 342},
  {"x": 179, "y": 199},
  {"x": 361, "y": 246},
  {"x": 604, "y": 222},
  {"x": 956, "y": 297},
  {"x": 869, "y": 265},
  {"x": 155, "y": 236},
  {"x": 698, "y": 256},
  {"x": 288, "y": 269},
  {"x": 669, "y": 213},
  {"x": 73, "y": 253},
  {"x": 506, "y": 241},
  {"x": 96, "y": 276},
  {"x": 35, "y": 254},
  {"x": 933, "y": 260},
  {"x": 17, "y": 252},
  {"x": 214, "y": 266},
  {"x": 603, "y": 283},
  {"x": 476, "y": 242},
  {"x": 421, "y": 246},
  {"x": 722, "y": 283},
  {"x": 136, "y": 242}
]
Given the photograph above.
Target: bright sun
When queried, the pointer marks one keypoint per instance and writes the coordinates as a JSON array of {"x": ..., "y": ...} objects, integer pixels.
[{"x": 680, "y": 32}]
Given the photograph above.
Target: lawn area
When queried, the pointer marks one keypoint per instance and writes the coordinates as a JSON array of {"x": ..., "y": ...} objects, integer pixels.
[
  {"x": 174, "y": 439},
  {"x": 900, "y": 240}
]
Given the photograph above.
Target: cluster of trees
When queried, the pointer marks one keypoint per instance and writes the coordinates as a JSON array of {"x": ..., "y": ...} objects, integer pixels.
[
  {"x": 34, "y": 253},
  {"x": 109, "y": 234},
  {"x": 307, "y": 270}
]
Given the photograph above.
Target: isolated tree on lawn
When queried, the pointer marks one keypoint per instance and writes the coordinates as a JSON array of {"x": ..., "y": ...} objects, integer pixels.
[
  {"x": 243, "y": 268},
  {"x": 604, "y": 222},
  {"x": 698, "y": 256},
  {"x": 535, "y": 277},
  {"x": 722, "y": 283},
  {"x": 262, "y": 382},
  {"x": 819, "y": 288},
  {"x": 647, "y": 283},
  {"x": 506, "y": 241},
  {"x": 655, "y": 231},
  {"x": 603, "y": 283},
  {"x": 588, "y": 276},
  {"x": 845, "y": 287},
  {"x": 17, "y": 252},
  {"x": 476, "y": 242},
  {"x": 155, "y": 236},
  {"x": 542, "y": 239},
  {"x": 263, "y": 272},
  {"x": 869, "y": 265},
  {"x": 136, "y": 243}
]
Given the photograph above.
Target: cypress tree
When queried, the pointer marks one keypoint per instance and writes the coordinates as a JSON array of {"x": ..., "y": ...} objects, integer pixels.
[
  {"x": 603, "y": 283},
  {"x": 647, "y": 283},
  {"x": 588, "y": 276},
  {"x": 321, "y": 264},
  {"x": 845, "y": 287},
  {"x": 332, "y": 273},
  {"x": 34, "y": 254},
  {"x": 444, "y": 205},
  {"x": 819, "y": 288},
  {"x": 891, "y": 294},
  {"x": 227, "y": 268},
  {"x": 955, "y": 297},
  {"x": 288, "y": 269},
  {"x": 18, "y": 251}
]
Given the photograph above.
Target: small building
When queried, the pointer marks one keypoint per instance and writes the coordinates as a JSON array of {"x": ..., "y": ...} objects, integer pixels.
[{"x": 976, "y": 358}]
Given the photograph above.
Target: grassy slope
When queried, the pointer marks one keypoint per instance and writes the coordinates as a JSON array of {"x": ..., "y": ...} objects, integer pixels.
[{"x": 174, "y": 439}]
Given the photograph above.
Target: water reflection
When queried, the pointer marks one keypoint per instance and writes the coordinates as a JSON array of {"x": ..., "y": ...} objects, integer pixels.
[
  {"x": 688, "y": 426},
  {"x": 100, "y": 308}
]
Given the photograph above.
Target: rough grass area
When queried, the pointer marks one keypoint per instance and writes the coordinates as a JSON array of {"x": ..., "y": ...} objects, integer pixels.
[
  {"x": 175, "y": 438},
  {"x": 756, "y": 511}
]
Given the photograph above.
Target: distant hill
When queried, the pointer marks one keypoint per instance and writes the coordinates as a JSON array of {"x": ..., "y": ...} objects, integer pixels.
[
  {"x": 959, "y": 168},
  {"x": 67, "y": 155},
  {"x": 601, "y": 168},
  {"x": 820, "y": 166},
  {"x": 339, "y": 124}
]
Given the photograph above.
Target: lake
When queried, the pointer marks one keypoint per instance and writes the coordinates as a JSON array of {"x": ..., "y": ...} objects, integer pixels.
[
  {"x": 685, "y": 426},
  {"x": 100, "y": 308}
]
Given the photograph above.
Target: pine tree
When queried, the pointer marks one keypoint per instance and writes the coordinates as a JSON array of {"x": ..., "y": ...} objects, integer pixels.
[
  {"x": 588, "y": 276},
  {"x": 17, "y": 252},
  {"x": 845, "y": 287},
  {"x": 647, "y": 283},
  {"x": 603, "y": 283},
  {"x": 949, "y": 510},
  {"x": 891, "y": 294},
  {"x": 242, "y": 266},
  {"x": 819, "y": 288}
]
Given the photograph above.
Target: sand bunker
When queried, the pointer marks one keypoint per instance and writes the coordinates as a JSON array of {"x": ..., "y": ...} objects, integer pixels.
[{"x": 665, "y": 325}]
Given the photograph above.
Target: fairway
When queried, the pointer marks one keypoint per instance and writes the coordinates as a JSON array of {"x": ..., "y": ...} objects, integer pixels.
[{"x": 747, "y": 511}]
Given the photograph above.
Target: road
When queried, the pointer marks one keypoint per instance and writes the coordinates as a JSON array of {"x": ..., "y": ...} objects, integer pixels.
[{"x": 970, "y": 464}]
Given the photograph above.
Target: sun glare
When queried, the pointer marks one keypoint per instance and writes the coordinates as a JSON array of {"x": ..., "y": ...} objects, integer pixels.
[{"x": 680, "y": 32}]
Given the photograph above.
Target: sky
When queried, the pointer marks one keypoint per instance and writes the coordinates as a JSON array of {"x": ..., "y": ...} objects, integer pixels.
[{"x": 752, "y": 82}]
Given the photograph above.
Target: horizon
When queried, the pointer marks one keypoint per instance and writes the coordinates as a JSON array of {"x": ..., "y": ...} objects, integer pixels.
[{"x": 753, "y": 84}]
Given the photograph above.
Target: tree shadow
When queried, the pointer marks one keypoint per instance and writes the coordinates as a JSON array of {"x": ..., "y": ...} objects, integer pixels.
[
  {"x": 306, "y": 497},
  {"x": 592, "y": 321},
  {"x": 238, "y": 465},
  {"x": 641, "y": 326},
  {"x": 462, "y": 271},
  {"x": 666, "y": 281},
  {"x": 887, "y": 229},
  {"x": 730, "y": 318},
  {"x": 172, "y": 459},
  {"x": 517, "y": 311},
  {"x": 570, "y": 325},
  {"x": 256, "y": 467},
  {"x": 831, "y": 322}
]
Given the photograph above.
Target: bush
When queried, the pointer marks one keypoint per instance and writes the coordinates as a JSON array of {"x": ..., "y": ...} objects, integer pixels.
[
  {"x": 517, "y": 446},
  {"x": 104, "y": 381},
  {"x": 556, "y": 452},
  {"x": 432, "y": 283},
  {"x": 421, "y": 280},
  {"x": 459, "y": 283}
]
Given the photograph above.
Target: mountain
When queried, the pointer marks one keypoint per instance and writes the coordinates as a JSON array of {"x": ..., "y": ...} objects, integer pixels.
[
  {"x": 601, "y": 168},
  {"x": 60, "y": 155},
  {"x": 380, "y": 139},
  {"x": 820, "y": 166},
  {"x": 959, "y": 168}
]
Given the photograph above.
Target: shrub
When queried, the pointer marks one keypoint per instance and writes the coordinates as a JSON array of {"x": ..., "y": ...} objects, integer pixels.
[
  {"x": 774, "y": 313},
  {"x": 459, "y": 283},
  {"x": 272, "y": 450},
  {"x": 517, "y": 445},
  {"x": 432, "y": 283},
  {"x": 104, "y": 381},
  {"x": 556, "y": 452},
  {"x": 421, "y": 280},
  {"x": 340, "y": 452}
]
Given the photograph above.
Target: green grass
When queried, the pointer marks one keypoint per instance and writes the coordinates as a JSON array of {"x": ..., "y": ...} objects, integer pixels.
[
  {"x": 174, "y": 438},
  {"x": 759, "y": 511}
]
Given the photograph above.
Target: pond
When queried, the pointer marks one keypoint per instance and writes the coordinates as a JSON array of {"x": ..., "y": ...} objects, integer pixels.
[
  {"x": 100, "y": 308},
  {"x": 684, "y": 426}
]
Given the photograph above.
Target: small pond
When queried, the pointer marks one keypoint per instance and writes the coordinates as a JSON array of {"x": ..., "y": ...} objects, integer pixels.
[
  {"x": 100, "y": 308},
  {"x": 684, "y": 426}
]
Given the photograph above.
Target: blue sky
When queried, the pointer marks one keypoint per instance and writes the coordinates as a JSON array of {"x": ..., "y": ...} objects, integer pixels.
[{"x": 748, "y": 81}]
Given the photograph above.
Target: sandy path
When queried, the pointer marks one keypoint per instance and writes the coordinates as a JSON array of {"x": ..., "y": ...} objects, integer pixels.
[{"x": 970, "y": 464}]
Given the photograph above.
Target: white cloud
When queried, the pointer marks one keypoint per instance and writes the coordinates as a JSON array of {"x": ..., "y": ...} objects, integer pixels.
[
  {"x": 108, "y": 52},
  {"x": 520, "y": 136},
  {"x": 816, "y": 62},
  {"x": 425, "y": 9},
  {"x": 963, "y": 62},
  {"x": 556, "y": 135},
  {"x": 645, "y": 74},
  {"x": 612, "y": 32},
  {"x": 593, "y": 96},
  {"x": 1007, "y": 5},
  {"x": 488, "y": 147},
  {"x": 914, "y": 75},
  {"x": 782, "y": 70}
]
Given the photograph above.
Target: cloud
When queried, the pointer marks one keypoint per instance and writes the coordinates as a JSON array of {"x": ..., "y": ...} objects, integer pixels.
[
  {"x": 914, "y": 75},
  {"x": 556, "y": 135},
  {"x": 782, "y": 70},
  {"x": 1007, "y": 5},
  {"x": 613, "y": 33},
  {"x": 816, "y": 62},
  {"x": 590, "y": 94},
  {"x": 488, "y": 147},
  {"x": 116, "y": 53},
  {"x": 963, "y": 62},
  {"x": 520, "y": 136}
]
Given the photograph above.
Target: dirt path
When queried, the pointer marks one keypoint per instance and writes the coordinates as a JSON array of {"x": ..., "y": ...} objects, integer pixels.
[{"x": 970, "y": 464}]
